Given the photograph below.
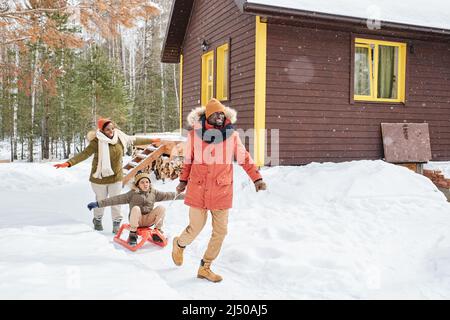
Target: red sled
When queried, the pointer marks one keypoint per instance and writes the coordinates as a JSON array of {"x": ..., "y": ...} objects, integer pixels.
[{"x": 145, "y": 233}]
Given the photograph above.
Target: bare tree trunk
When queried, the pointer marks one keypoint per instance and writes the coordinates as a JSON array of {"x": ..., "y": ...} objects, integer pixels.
[
  {"x": 15, "y": 93},
  {"x": 33, "y": 104},
  {"x": 124, "y": 54},
  {"x": 22, "y": 142},
  {"x": 62, "y": 100},
  {"x": 94, "y": 103},
  {"x": 45, "y": 130},
  {"x": 163, "y": 91},
  {"x": 144, "y": 61},
  {"x": 94, "y": 97},
  {"x": 67, "y": 151},
  {"x": 132, "y": 61}
]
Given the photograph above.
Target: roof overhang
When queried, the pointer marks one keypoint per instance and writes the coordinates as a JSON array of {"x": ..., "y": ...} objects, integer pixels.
[
  {"x": 176, "y": 30},
  {"x": 182, "y": 10},
  {"x": 295, "y": 14}
]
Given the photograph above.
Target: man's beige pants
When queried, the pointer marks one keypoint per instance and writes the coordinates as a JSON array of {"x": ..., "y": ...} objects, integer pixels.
[
  {"x": 197, "y": 220},
  {"x": 156, "y": 216},
  {"x": 103, "y": 191}
]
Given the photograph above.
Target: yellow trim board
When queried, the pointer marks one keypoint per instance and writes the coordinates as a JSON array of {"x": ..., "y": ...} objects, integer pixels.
[
  {"x": 260, "y": 91},
  {"x": 181, "y": 94}
]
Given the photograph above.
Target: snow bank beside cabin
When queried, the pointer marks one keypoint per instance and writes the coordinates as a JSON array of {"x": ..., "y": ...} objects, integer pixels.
[{"x": 362, "y": 229}]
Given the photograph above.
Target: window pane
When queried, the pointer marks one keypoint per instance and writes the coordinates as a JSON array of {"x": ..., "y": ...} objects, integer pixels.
[
  {"x": 387, "y": 72},
  {"x": 207, "y": 77},
  {"x": 362, "y": 72},
  {"x": 225, "y": 74},
  {"x": 210, "y": 70},
  {"x": 210, "y": 92}
]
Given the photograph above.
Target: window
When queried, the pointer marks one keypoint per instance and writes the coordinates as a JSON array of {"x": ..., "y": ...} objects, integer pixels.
[
  {"x": 222, "y": 72},
  {"x": 207, "y": 77},
  {"x": 380, "y": 71}
]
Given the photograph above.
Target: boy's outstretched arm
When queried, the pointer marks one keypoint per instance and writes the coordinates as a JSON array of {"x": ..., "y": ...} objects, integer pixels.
[{"x": 113, "y": 201}]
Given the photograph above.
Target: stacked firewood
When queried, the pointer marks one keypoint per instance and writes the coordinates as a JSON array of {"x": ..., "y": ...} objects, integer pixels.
[
  {"x": 437, "y": 177},
  {"x": 167, "y": 168}
]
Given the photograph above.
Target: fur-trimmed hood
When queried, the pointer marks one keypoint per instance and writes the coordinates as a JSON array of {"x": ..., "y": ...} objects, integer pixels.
[
  {"x": 195, "y": 115},
  {"x": 91, "y": 135}
]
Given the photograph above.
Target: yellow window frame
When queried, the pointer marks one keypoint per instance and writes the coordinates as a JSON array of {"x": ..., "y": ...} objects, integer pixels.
[
  {"x": 222, "y": 72},
  {"x": 401, "y": 86},
  {"x": 207, "y": 77}
]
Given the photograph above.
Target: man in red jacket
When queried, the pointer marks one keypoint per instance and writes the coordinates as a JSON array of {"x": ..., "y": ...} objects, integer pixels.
[{"x": 211, "y": 148}]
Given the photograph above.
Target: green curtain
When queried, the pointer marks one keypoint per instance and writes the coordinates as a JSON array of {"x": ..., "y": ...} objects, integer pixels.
[
  {"x": 386, "y": 72},
  {"x": 362, "y": 72}
]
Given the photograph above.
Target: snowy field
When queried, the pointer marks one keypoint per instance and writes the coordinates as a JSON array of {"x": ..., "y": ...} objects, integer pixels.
[
  {"x": 4, "y": 150},
  {"x": 355, "y": 230}
]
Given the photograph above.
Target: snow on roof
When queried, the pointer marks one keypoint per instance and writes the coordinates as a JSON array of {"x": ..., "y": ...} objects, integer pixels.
[{"x": 430, "y": 13}]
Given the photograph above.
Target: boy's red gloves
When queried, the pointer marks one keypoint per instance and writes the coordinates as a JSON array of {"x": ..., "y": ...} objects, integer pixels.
[{"x": 62, "y": 165}]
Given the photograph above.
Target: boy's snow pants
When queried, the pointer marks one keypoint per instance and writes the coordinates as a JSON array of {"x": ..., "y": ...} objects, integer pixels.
[{"x": 156, "y": 216}]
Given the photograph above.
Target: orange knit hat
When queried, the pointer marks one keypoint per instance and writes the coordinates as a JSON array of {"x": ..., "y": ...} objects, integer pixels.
[
  {"x": 213, "y": 106},
  {"x": 102, "y": 122}
]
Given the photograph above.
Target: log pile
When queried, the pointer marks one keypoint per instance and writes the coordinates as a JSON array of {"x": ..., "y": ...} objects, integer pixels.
[
  {"x": 167, "y": 168},
  {"x": 437, "y": 178},
  {"x": 168, "y": 165}
]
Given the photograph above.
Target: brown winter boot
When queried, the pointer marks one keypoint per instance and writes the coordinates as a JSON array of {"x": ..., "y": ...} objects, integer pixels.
[
  {"x": 204, "y": 272},
  {"x": 177, "y": 252}
]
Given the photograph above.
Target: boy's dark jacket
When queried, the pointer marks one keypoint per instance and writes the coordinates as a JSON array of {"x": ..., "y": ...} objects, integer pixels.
[{"x": 144, "y": 200}]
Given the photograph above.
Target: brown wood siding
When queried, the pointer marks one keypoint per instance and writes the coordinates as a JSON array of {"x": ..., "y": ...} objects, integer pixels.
[
  {"x": 221, "y": 22},
  {"x": 308, "y": 97}
]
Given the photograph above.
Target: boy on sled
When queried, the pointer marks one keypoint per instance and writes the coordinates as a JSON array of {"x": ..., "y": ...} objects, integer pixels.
[{"x": 141, "y": 200}]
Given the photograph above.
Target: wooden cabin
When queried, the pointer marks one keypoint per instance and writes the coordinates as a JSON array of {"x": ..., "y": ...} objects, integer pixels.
[{"x": 326, "y": 74}]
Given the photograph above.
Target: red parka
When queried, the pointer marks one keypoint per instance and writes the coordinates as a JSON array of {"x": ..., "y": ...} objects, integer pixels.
[{"x": 208, "y": 167}]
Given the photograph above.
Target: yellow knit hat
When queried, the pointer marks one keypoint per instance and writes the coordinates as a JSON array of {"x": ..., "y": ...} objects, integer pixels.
[{"x": 213, "y": 106}]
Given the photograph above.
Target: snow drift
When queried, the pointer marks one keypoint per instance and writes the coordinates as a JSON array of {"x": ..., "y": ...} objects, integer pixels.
[{"x": 354, "y": 230}]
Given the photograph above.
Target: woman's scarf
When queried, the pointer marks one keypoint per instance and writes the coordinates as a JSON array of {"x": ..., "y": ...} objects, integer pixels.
[{"x": 104, "y": 159}]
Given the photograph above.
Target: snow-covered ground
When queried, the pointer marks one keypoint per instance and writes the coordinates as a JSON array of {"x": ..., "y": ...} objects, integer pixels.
[
  {"x": 4, "y": 150},
  {"x": 355, "y": 230}
]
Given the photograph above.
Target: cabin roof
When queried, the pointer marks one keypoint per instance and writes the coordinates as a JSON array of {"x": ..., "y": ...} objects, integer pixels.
[
  {"x": 176, "y": 30},
  {"x": 431, "y": 16}
]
